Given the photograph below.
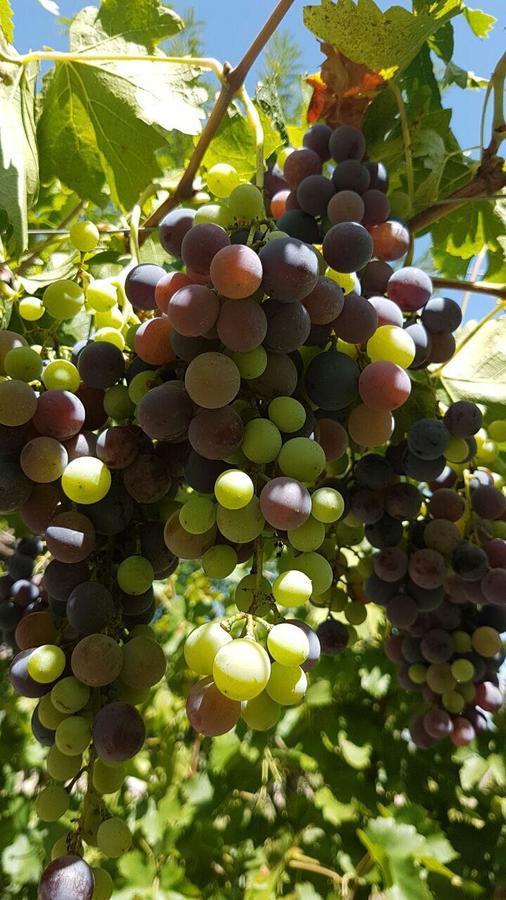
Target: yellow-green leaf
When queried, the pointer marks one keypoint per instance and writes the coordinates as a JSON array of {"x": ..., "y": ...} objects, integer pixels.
[
  {"x": 481, "y": 23},
  {"x": 478, "y": 372}
]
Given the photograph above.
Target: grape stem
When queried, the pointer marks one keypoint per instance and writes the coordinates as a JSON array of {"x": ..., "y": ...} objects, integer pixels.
[{"x": 474, "y": 287}]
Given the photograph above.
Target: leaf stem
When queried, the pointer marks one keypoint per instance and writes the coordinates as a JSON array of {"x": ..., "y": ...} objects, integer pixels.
[
  {"x": 406, "y": 139},
  {"x": 475, "y": 287},
  {"x": 61, "y": 57}
]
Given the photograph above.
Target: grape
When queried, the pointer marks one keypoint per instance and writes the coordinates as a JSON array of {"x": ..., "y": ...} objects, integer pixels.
[
  {"x": 386, "y": 532},
  {"x": 62, "y": 767},
  {"x": 219, "y": 561},
  {"x": 261, "y": 713},
  {"x": 90, "y": 607},
  {"x": 86, "y": 480},
  {"x": 233, "y": 489},
  {"x": 212, "y": 380},
  {"x": 52, "y": 802},
  {"x": 209, "y": 711},
  {"x": 60, "y": 414},
  {"x": 442, "y": 536},
  {"x": 493, "y": 586},
  {"x": 173, "y": 228},
  {"x": 376, "y": 206},
  {"x": 299, "y": 165},
  {"x": 67, "y": 876},
  {"x": 427, "y": 568},
  {"x": 21, "y": 680},
  {"x": 251, "y": 363},
  {"x": 135, "y": 575},
  {"x": 241, "y": 525},
  {"x": 393, "y": 344},
  {"x": 246, "y": 202},
  {"x": 187, "y": 348},
  {"x": 201, "y": 646},
  {"x": 333, "y": 439},
  {"x": 113, "y": 838},
  {"x": 325, "y": 301},
  {"x": 374, "y": 279},
  {"x": 410, "y": 288},
  {"x": 35, "y": 628},
  {"x": 463, "y": 419},
  {"x": 428, "y": 439},
  {"x": 63, "y": 299},
  {"x": 346, "y": 142},
  {"x": 290, "y": 269},
  {"x": 390, "y": 239},
  {"x": 357, "y": 321},
  {"x": 403, "y": 501},
  {"x": 308, "y": 536},
  {"x": 23, "y": 363},
  {"x": 97, "y": 660},
  {"x": 331, "y": 380},
  {"x": 101, "y": 365},
  {"x": 345, "y": 206},
  {"x": 165, "y": 411},
  {"x": 370, "y": 427},
  {"x": 367, "y": 506},
  {"x": 152, "y": 339},
  {"x": 61, "y": 374},
  {"x": 236, "y": 271},
  {"x": 387, "y": 311},
  {"x": 262, "y": 441},
  {"x": 43, "y": 459},
  {"x": 118, "y": 731},
  {"x": 15, "y": 488},
  {"x": 46, "y": 663},
  {"x": 288, "y": 645},
  {"x": 69, "y": 695},
  {"x": 167, "y": 286},
  {"x": 391, "y": 564},
  {"x": 301, "y": 458},
  {"x": 73, "y": 735},
  {"x": 437, "y": 723},
  {"x": 327, "y": 505},
  {"x": 487, "y": 501},
  {"x": 18, "y": 403},
  {"x": 436, "y": 646},
  {"x": 140, "y": 285},
  {"x": 200, "y": 244},
  {"x": 287, "y": 414},
  {"x": 351, "y": 175},
  {"x": 287, "y": 684},
  {"x": 317, "y": 139},
  {"x": 441, "y": 315},
  {"x": 422, "y": 470},
  {"x": 402, "y": 610},
  {"x": 314, "y": 193},
  {"x": 183, "y": 544},
  {"x": 192, "y": 310},
  {"x": 216, "y": 434},
  {"x": 31, "y": 309},
  {"x": 347, "y": 247},
  {"x": 485, "y": 640},
  {"x": 288, "y": 326},
  {"x": 292, "y": 588},
  {"x": 279, "y": 377},
  {"x": 241, "y": 669},
  {"x": 463, "y": 732},
  {"x": 278, "y": 203},
  {"x": 107, "y": 779},
  {"x": 242, "y": 326},
  {"x": 470, "y": 562},
  {"x": 333, "y": 637},
  {"x": 489, "y": 697},
  {"x": 384, "y": 385},
  {"x": 222, "y": 179},
  {"x": 117, "y": 447}
]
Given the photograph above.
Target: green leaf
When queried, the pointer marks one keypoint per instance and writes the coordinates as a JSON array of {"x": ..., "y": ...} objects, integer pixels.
[
  {"x": 356, "y": 757},
  {"x": 20, "y": 860},
  {"x": 235, "y": 142},
  {"x": 18, "y": 149},
  {"x": 375, "y": 682},
  {"x": 333, "y": 810},
  {"x": 6, "y": 23},
  {"x": 397, "y": 840},
  {"x": 385, "y": 42},
  {"x": 478, "y": 372},
  {"x": 481, "y": 23},
  {"x": 462, "y": 78},
  {"x": 319, "y": 693},
  {"x": 144, "y": 22},
  {"x": 442, "y": 42},
  {"x": 473, "y": 768},
  {"x": 138, "y": 869},
  {"x": 106, "y": 121}
]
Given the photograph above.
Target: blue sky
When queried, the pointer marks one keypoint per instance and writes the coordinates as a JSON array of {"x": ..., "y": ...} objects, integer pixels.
[{"x": 230, "y": 25}]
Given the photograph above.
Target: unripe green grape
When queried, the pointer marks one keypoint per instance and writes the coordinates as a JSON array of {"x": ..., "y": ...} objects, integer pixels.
[
  {"x": 130, "y": 333},
  {"x": 286, "y": 685},
  {"x": 287, "y": 413},
  {"x": 392, "y": 343},
  {"x": 241, "y": 525},
  {"x": 287, "y": 644},
  {"x": 241, "y": 669},
  {"x": 52, "y": 803},
  {"x": 333, "y": 598},
  {"x": 261, "y": 713},
  {"x": 262, "y": 441},
  {"x": 352, "y": 635},
  {"x": 283, "y": 155},
  {"x": 49, "y": 716},
  {"x": 440, "y": 678},
  {"x": 292, "y": 588},
  {"x": 46, "y": 663},
  {"x": 418, "y": 673},
  {"x": 127, "y": 694},
  {"x": 86, "y": 480},
  {"x": 59, "y": 847},
  {"x": 327, "y": 505},
  {"x": 110, "y": 336},
  {"x": 467, "y": 691},
  {"x": 117, "y": 403},
  {"x": 308, "y": 536},
  {"x": 233, "y": 489},
  {"x": 101, "y": 295},
  {"x": 109, "y": 318},
  {"x": 457, "y": 450},
  {"x": 69, "y": 695},
  {"x": 135, "y": 575},
  {"x": 107, "y": 779},
  {"x": 453, "y": 702},
  {"x": 302, "y": 458},
  {"x": 317, "y": 569},
  {"x": 251, "y": 363},
  {"x": 275, "y": 235},
  {"x": 248, "y": 590},
  {"x": 198, "y": 514},
  {"x": 114, "y": 838},
  {"x": 23, "y": 363},
  {"x": 355, "y": 613},
  {"x": 73, "y": 735},
  {"x": 461, "y": 641},
  {"x": 60, "y": 766},
  {"x": 246, "y": 202},
  {"x": 202, "y": 645},
  {"x": 31, "y": 309},
  {"x": 84, "y": 236},
  {"x": 219, "y": 561},
  {"x": 144, "y": 663},
  {"x": 497, "y": 431},
  {"x": 222, "y": 179},
  {"x": 486, "y": 641},
  {"x": 487, "y": 450},
  {"x": 141, "y": 384},
  {"x": 215, "y": 214},
  {"x": 462, "y": 670},
  {"x": 61, "y": 375},
  {"x": 63, "y": 299},
  {"x": 104, "y": 885}
]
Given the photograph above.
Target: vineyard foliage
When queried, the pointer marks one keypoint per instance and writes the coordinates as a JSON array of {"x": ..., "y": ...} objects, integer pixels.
[{"x": 335, "y": 802}]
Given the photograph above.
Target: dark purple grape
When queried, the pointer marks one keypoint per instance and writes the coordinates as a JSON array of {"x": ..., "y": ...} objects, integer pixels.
[
  {"x": 403, "y": 501},
  {"x": 385, "y": 533},
  {"x": 333, "y": 637},
  {"x": 347, "y": 247},
  {"x": 118, "y": 732},
  {"x": 402, "y": 610},
  {"x": 90, "y": 608},
  {"x": 140, "y": 285},
  {"x": 422, "y": 469},
  {"x": 67, "y": 878},
  {"x": 173, "y": 228},
  {"x": 314, "y": 194},
  {"x": 373, "y": 471},
  {"x": 488, "y": 502},
  {"x": 101, "y": 365},
  {"x": 437, "y": 646},
  {"x": 379, "y": 591},
  {"x": 437, "y": 723},
  {"x": 299, "y": 225},
  {"x": 374, "y": 277},
  {"x": 317, "y": 139},
  {"x": 331, "y": 379},
  {"x": 346, "y": 142},
  {"x": 44, "y": 736},
  {"x": 314, "y": 644},
  {"x": 470, "y": 562},
  {"x": 379, "y": 176},
  {"x": 357, "y": 321},
  {"x": 351, "y": 175},
  {"x": 60, "y": 578},
  {"x": 428, "y": 439},
  {"x": 441, "y": 315},
  {"x": 377, "y": 206},
  {"x": 21, "y": 681},
  {"x": 290, "y": 269},
  {"x": 423, "y": 344},
  {"x": 463, "y": 419}
]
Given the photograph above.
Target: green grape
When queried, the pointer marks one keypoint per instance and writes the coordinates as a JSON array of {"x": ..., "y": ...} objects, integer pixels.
[
  {"x": 283, "y": 155},
  {"x": 31, "y": 309},
  {"x": 485, "y": 640},
  {"x": 497, "y": 431},
  {"x": 392, "y": 343},
  {"x": 73, "y": 735},
  {"x": 246, "y": 202},
  {"x": 453, "y": 702},
  {"x": 62, "y": 767},
  {"x": 202, "y": 645},
  {"x": 317, "y": 569},
  {"x": 308, "y": 536},
  {"x": 251, "y": 363},
  {"x": 61, "y": 375},
  {"x": 69, "y": 695},
  {"x": 109, "y": 318},
  {"x": 59, "y": 847},
  {"x": 275, "y": 235},
  {"x": 462, "y": 670},
  {"x": 352, "y": 635},
  {"x": 302, "y": 458},
  {"x": 287, "y": 644},
  {"x": 440, "y": 678},
  {"x": 49, "y": 716},
  {"x": 487, "y": 450},
  {"x": 130, "y": 332},
  {"x": 287, "y": 684},
  {"x": 18, "y": 402},
  {"x": 333, "y": 598},
  {"x": 110, "y": 336},
  {"x": 198, "y": 514},
  {"x": 107, "y": 779},
  {"x": 222, "y": 179},
  {"x": 350, "y": 350},
  {"x": 114, "y": 838},
  {"x": 141, "y": 384},
  {"x": 241, "y": 669},
  {"x": 343, "y": 279},
  {"x": 467, "y": 691},
  {"x": 457, "y": 450},
  {"x": 144, "y": 663},
  {"x": 247, "y": 591},
  {"x": 216, "y": 214},
  {"x": 117, "y": 402},
  {"x": 418, "y": 673},
  {"x": 262, "y": 441},
  {"x": 219, "y": 561},
  {"x": 461, "y": 641},
  {"x": 134, "y": 696},
  {"x": 101, "y": 295},
  {"x": 63, "y": 299},
  {"x": 86, "y": 480},
  {"x": 52, "y": 803},
  {"x": 355, "y": 613},
  {"x": 327, "y": 505},
  {"x": 46, "y": 663},
  {"x": 292, "y": 588},
  {"x": 84, "y": 236},
  {"x": 241, "y": 525},
  {"x": 261, "y": 713},
  {"x": 23, "y": 363},
  {"x": 233, "y": 489},
  {"x": 135, "y": 575},
  {"x": 287, "y": 413},
  {"x": 348, "y": 532},
  {"x": 104, "y": 884}
]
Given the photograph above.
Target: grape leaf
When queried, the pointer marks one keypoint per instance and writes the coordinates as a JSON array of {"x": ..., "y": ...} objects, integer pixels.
[
  {"x": 144, "y": 22},
  {"x": 478, "y": 372},
  {"x": 376, "y": 39},
  {"x": 481, "y": 23},
  {"x": 461, "y": 234},
  {"x": 235, "y": 142},
  {"x": 6, "y": 23}
]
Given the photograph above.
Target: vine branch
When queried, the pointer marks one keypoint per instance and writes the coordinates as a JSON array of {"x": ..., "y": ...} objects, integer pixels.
[{"x": 475, "y": 287}]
